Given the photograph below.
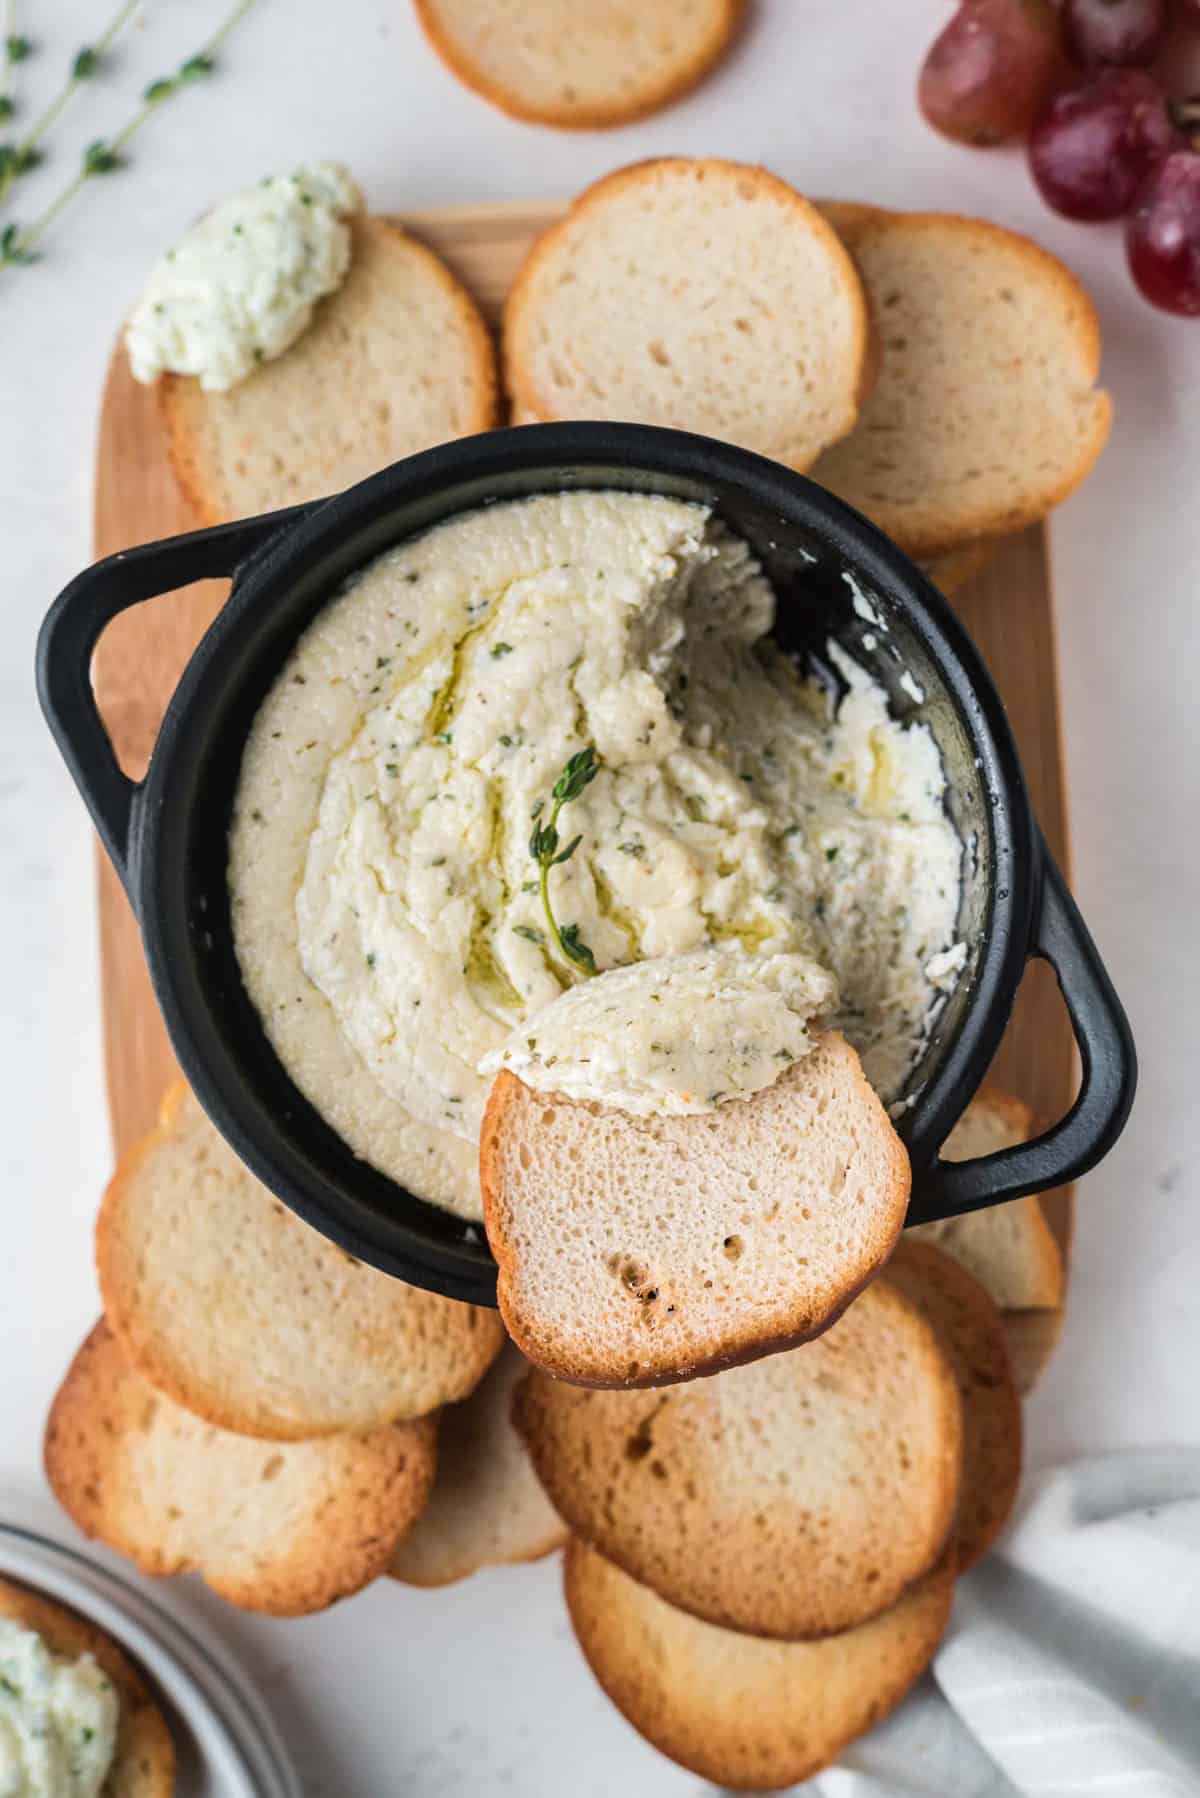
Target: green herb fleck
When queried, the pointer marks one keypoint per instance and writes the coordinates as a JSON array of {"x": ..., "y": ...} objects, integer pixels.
[
  {"x": 530, "y": 932},
  {"x": 196, "y": 67},
  {"x": 18, "y": 47},
  {"x": 636, "y": 850},
  {"x": 693, "y": 805},
  {"x": 100, "y": 158},
  {"x": 501, "y": 649},
  {"x": 371, "y": 959},
  {"x": 831, "y": 853}
]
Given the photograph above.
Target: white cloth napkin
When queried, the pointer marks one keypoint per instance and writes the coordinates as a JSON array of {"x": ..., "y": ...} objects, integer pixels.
[{"x": 1072, "y": 1664}]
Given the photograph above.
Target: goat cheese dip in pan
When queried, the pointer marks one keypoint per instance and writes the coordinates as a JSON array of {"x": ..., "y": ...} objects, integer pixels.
[{"x": 387, "y": 903}]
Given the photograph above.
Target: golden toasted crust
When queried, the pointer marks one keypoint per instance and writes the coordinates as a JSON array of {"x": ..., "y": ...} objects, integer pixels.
[
  {"x": 529, "y": 406},
  {"x": 974, "y": 509},
  {"x": 144, "y": 1761},
  {"x": 704, "y": 1492},
  {"x": 747, "y": 1714},
  {"x": 292, "y": 1339},
  {"x": 970, "y": 1330},
  {"x": 283, "y": 1528},
  {"x": 706, "y": 34},
  {"x": 660, "y": 1361},
  {"x": 277, "y": 439}
]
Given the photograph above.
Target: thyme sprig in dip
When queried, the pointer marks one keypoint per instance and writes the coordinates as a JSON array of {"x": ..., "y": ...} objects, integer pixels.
[{"x": 582, "y": 769}]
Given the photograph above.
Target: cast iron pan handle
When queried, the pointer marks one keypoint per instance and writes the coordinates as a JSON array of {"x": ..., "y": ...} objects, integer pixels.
[
  {"x": 72, "y": 629},
  {"x": 1106, "y": 1051}
]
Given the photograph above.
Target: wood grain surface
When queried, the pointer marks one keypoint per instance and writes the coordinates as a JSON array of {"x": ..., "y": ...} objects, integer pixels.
[{"x": 1008, "y": 608}]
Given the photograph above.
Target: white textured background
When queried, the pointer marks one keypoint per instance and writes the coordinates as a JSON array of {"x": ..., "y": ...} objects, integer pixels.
[{"x": 481, "y": 1685}]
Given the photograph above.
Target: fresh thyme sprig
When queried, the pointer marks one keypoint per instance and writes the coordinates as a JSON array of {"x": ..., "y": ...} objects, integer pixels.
[
  {"x": 17, "y": 159},
  {"x": 579, "y": 772},
  {"x": 104, "y": 155},
  {"x": 15, "y": 49}
]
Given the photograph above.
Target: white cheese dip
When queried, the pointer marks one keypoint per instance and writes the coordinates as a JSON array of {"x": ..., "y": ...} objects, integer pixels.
[
  {"x": 677, "y": 1035},
  {"x": 385, "y": 905},
  {"x": 239, "y": 288},
  {"x": 58, "y": 1719}
]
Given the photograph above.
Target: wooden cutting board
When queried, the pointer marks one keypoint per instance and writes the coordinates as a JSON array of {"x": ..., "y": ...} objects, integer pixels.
[{"x": 1007, "y": 608}]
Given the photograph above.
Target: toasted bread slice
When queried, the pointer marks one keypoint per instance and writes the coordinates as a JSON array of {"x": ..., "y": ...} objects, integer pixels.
[
  {"x": 790, "y": 1498},
  {"x": 697, "y": 293},
  {"x": 487, "y": 1508},
  {"x": 634, "y": 1251},
  {"x": 1010, "y": 1249},
  {"x": 747, "y": 1714},
  {"x": 601, "y": 64},
  {"x": 970, "y": 1331},
  {"x": 144, "y": 1762},
  {"x": 398, "y": 359},
  {"x": 233, "y": 1306},
  {"x": 285, "y": 1528},
  {"x": 985, "y": 413}
]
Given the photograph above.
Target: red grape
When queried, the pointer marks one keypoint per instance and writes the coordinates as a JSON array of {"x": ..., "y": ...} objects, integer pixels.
[
  {"x": 987, "y": 74},
  {"x": 1163, "y": 235},
  {"x": 1092, "y": 147},
  {"x": 1123, "y": 31}
]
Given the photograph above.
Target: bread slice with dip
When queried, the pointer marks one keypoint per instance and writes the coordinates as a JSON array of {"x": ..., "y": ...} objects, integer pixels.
[
  {"x": 73, "y": 1696},
  {"x": 233, "y": 1306},
  {"x": 487, "y": 1508},
  {"x": 746, "y": 1714},
  {"x": 286, "y": 1528},
  {"x": 301, "y": 345},
  {"x": 682, "y": 1168},
  {"x": 792, "y": 1498}
]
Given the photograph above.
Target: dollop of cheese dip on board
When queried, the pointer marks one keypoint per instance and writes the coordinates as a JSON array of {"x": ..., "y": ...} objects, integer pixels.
[
  {"x": 58, "y": 1719},
  {"x": 239, "y": 288},
  {"x": 676, "y": 1035},
  {"x": 386, "y": 909}
]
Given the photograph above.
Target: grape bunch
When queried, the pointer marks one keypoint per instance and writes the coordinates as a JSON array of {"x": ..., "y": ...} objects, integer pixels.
[{"x": 1085, "y": 84}]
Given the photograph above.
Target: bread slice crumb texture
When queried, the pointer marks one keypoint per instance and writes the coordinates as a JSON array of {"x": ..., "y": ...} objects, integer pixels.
[
  {"x": 398, "y": 359},
  {"x": 1010, "y": 1249},
  {"x": 144, "y": 1761},
  {"x": 603, "y": 63},
  {"x": 699, "y": 294},
  {"x": 747, "y": 1714},
  {"x": 285, "y": 1528},
  {"x": 985, "y": 413},
  {"x": 239, "y": 1310},
  {"x": 633, "y": 1250},
  {"x": 487, "y": 1508},
  {"x": 970, "y": 1331},
  {"x": 838, "y": 1462}
]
